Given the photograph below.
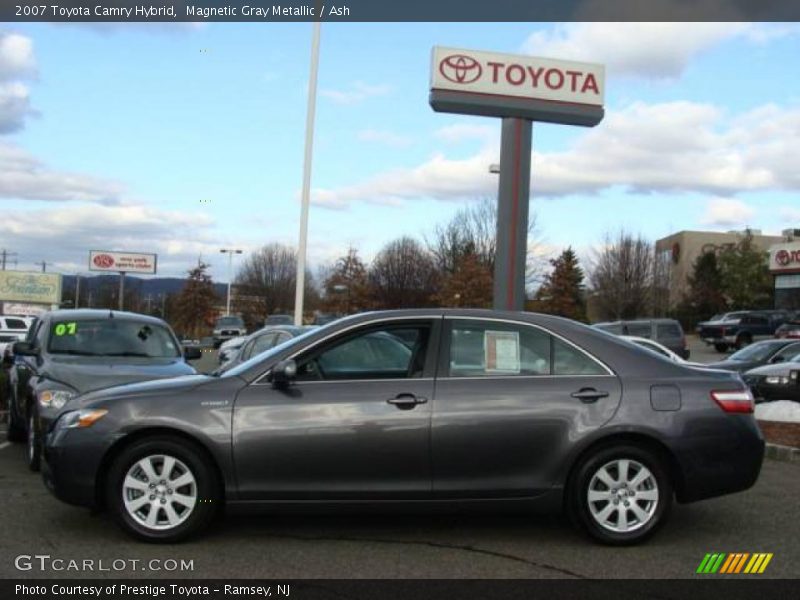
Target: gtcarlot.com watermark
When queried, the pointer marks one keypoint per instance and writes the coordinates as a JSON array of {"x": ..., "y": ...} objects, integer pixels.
[{"x": 48, "y": 563}]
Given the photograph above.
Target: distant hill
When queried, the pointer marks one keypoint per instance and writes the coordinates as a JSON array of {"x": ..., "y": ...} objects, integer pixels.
[{"x": 154, "y": 286}]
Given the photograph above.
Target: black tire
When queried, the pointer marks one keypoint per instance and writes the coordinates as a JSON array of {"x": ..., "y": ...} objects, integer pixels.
[
  {"x": 721, "y": 347},
  {"x": 206, "y": 488},
  {"x": 744, "y": 339},
  {"x": 583, "y": 477},
  {"x": 16, "y": 430},
  {"x": 33, "y": 448}
]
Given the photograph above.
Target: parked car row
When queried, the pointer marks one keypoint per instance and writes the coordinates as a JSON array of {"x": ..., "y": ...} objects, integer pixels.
[{"x": 422, "y": 406}]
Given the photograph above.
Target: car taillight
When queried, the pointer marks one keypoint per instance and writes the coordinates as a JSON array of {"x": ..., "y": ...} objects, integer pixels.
[{"x": 734, "y": 401}]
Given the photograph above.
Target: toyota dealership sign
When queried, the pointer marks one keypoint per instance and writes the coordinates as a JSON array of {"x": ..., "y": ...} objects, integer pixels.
[
  {"x": 122, "y": 262},
  {"x": 530, "y": 87},
  {"x": 785, "y": 258}
]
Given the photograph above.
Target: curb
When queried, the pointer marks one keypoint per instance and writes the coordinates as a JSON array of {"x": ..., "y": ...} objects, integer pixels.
[{"x": 782, "y": 453}]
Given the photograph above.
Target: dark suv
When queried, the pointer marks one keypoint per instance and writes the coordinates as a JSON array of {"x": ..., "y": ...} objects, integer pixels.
[
  {"x": 71, "y": 352},
  {"x": 746, "y": 328},
  {"x": 667, "y": 332}
]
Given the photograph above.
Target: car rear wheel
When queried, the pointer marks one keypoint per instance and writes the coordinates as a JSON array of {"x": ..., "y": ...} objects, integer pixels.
[
  {"x": 34, "y": 443},
  {"x": 162, "y": 489},
  {"x": 721, "y": 347},
  {"x": 621, "y": 494},
  {"x": 743, "y": 340}
]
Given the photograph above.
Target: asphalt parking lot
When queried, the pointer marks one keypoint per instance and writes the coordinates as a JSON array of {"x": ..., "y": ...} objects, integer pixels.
[{"x": 763, "y": 519}]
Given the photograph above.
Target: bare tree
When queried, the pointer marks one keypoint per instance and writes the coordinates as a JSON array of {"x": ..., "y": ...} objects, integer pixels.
[
  {"x": 265, "y": 284},
  {"x": 472, "y": 235},
  {"x": 346, "y": 286},
  {"x": 621, "y": 277},
  {"x": 402, "y": 275}
]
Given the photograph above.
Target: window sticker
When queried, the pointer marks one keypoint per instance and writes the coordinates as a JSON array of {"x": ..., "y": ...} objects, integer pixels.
[
  {"x": 65, "y": 328},
  {"x": 501, "y": 351}
]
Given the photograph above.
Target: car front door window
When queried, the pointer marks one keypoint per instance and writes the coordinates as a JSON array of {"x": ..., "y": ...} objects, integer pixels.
[{"x": 389, "y": 353}]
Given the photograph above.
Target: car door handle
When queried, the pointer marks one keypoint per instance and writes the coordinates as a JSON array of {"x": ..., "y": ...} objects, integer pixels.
[
  {"x": 589, "y": 395},
  {"x": 406, "y": 401}
]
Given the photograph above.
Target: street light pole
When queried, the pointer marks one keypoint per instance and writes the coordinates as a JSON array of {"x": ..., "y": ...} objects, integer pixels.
[
  {"x": 300, "y": 280},
  {"x": 230, "y": 252}
]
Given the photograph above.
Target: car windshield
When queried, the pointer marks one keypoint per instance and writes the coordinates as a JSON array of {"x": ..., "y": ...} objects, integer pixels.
[
  {"x": 248, "y": 364},
  {"x": 229, "y": 322},
  {"x": 755, "y": 352},
  {"x": 112, "y": 337}
]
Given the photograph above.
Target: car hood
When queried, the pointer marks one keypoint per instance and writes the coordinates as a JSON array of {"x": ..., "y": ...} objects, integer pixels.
[
  {"x": 87, "y": 375},
  {"x": 779, "y": 369}
]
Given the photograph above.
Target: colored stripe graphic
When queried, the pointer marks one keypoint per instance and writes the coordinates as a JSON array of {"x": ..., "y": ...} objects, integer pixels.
[{"x": 734, "y": 563}]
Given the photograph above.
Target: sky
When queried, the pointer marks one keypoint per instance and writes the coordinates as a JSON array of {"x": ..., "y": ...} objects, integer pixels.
[{"x": 183, "y": 139}]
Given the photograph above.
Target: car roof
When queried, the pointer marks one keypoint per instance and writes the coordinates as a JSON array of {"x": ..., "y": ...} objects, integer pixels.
[{"x": 90, "y": 314}]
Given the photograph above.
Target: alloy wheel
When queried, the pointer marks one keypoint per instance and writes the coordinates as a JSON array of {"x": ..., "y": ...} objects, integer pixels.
[
  {"x": 622, "y": 495},
  {"x": 159, "y": 492}
]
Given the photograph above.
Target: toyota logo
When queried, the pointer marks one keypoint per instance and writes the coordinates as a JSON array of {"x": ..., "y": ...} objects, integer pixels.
[
  {"x": 783, "y": 258},
  {"x": 459, "y": 68},
  {"x": 104, "y": 261}
]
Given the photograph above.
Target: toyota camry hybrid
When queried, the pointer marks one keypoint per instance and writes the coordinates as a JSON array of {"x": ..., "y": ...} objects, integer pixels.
[{"x": 429, "y": 407}]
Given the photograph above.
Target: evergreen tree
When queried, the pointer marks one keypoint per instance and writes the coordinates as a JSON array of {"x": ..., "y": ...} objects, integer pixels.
[
  {"x": 346, "y": 285},
  {"x": 562, "y": 292},
  {"x": 195, "y": 306},
  {"x": 745, "y": 276}
]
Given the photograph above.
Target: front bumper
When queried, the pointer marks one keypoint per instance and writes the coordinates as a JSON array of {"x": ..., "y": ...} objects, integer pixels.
[{"x": 71, "y": 461}]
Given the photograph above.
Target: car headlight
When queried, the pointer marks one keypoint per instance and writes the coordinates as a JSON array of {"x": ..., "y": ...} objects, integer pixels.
[
  {"x": 85, "y": 417},
  {"x": 777, "y": 380},
  {"x": 54, "y": 398}
]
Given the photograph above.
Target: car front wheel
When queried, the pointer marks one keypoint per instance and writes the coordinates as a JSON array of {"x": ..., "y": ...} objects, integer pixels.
[
  {"x": 162, "y": 490},
  {"x": 620, "y": 495}
]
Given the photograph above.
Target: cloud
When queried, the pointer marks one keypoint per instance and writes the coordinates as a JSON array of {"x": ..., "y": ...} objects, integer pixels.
[
  {"x": 356, "y": 94},
  {"x": 16, "y": 57},
  {"x": 727, "y": 212},
  {"x": 643, "y": 148},
  {"x": 64, "y": 235},
  {"x": 25, "y": 177},
  {"x": 650, "y": 50},
  {"x": 15, "y": 107},
  {"x": 387, "y": 138},
  {"x": 460, "y": 132}
]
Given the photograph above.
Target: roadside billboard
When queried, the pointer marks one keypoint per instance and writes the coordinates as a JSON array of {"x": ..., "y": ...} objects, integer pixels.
[
  {"x": 30, "y": 287},
  {"x": 126, "y": 262}
]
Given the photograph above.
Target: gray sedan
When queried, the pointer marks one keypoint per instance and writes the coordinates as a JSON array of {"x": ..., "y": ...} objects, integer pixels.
[{"x": 426, "y": 407}]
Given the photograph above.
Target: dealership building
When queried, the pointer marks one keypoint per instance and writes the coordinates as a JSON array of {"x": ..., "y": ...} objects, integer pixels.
[{"x": 680, "y": 251}]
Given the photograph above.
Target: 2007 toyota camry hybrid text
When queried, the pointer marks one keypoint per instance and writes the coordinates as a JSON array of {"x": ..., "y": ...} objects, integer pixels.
[{"x": 421, "y": 406}]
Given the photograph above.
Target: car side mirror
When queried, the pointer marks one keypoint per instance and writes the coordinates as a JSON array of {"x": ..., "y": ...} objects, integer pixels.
[
  {"x": 25, "y": 349},
  {"x": 192, "y": 353},
  {"x": 284, "y": 373}
]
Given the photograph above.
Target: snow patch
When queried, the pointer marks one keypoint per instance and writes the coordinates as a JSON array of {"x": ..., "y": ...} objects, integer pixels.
[{"x": 785, "y": 411}]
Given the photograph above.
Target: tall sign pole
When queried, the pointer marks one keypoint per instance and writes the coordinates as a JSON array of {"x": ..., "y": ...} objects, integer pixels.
[
  {"x": 519, "y": 90},
  {"x": 300, "y": 279},
  {"x": 512, "y": 214}
]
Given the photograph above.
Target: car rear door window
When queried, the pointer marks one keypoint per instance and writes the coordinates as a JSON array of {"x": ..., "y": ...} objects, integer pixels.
[
  {"x": 639, "y": 329},
  {"x": 485, "y": 349},
  {"x": 668, "y": 330},
  {"x": 384, "y": 353}
]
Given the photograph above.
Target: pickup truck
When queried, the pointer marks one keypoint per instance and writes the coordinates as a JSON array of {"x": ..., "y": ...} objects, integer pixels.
[{"x": 741, "y": 329}]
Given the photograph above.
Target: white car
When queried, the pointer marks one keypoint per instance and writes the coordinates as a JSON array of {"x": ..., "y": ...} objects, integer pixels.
[
  {"x": 659, "y": 349},
  {"x": 229, "y": 348},
  {"x": 13, "y": 329}
]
